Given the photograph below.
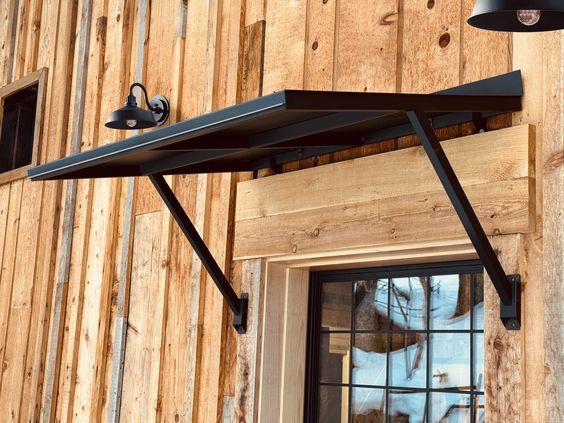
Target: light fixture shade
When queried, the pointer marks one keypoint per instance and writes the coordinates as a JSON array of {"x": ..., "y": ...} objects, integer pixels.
[
  {"x": 131, "y": 117},
  {"x": 501, "y": 15}
]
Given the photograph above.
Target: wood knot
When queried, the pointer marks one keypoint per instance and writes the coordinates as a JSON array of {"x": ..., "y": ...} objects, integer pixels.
[
  {"x": 315, "y": 232},
  {"x": 294, "y": 248},
  {"x": 315, "y": 45},
  {"x": 430, "y": 4},
  {"x": 498, "y": 345},
  {"x": 444, "y": 40},
  {"x": 389, "y": 18},
  {"x": 554, "y": 161},
  {"x": 164, "y": 264},
  {"x": 325, "y": 1}
]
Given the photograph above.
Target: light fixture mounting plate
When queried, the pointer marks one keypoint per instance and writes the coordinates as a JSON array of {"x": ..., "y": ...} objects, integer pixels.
[{"x": 160, "y": 108}]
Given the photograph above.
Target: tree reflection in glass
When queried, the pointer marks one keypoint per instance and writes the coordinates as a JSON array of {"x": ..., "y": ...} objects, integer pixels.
[{"x": 416, "y": 347}]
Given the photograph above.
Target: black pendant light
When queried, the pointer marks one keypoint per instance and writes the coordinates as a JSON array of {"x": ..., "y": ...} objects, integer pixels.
[
  {"x": 518, "y": 15},
  {"x": 133, "y": 117}
]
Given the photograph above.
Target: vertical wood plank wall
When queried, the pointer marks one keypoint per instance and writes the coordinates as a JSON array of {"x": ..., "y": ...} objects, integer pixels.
[{"x": 80, "y": 259}]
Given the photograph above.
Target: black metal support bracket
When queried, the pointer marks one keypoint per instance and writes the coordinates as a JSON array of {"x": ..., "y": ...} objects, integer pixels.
[
  {"x": 507, "y": 287},
  {"x": 238, "y": 305}
]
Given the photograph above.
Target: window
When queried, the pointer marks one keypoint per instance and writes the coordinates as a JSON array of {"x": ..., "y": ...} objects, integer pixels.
[
  {"x": 20, "y": 115},
  {"x": 401, "y": 344}
]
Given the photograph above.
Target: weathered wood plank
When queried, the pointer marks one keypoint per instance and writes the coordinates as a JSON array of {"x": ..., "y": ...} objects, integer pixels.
[
  {"x": 145, "y": 320},
  {"x": 252, "y": 67},
  {"x": 294, "y": 345},
  {"x": 123, "y": 254},
  {"x": 60, "y": 20},
  {"x": 254, "y": 11},
  {"x": 33, "y": 32},
  {"x": 366, "y": 53},
  {"x": 66, "y": 234},
  {"x": 386, "y": 176},
  {"x": 284, "y": 45},
  {"x": 272, "y": 326},
  {"x": 504, "y": 368},
  {"x": 8, "y": 28},
  {"x": 176, "y": 334},
  {"x": 501, "y": 208},
  {"x": 250, "y": 344},
  {"x": 21, "y": 303},
  {"x": 62, "y": 390},
  {"x": 214, "y": 330},
  {"x": 10, "y": 242},
  {"x": 197, "y": 277},
  {"x": 430, "y": 58},
  {"x": 320, "y": 45},
  {"x": 322, "y": 218},
  {"x": 553, "y": 208},
  {"x": 99, "y": 280}
]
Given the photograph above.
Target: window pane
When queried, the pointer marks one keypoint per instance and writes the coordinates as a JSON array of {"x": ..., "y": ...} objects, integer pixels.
[
  {"x": 479, "y": 301},
  {"x": 480, "y": 409},
  {"x": 449, "y": 408},
  {"x": 407, "y": 360},
  {"x": 369, "y": 359},
  {"x": 336, "y": 300},
  {"x": 450, "y": 302},
  {"x": 406, "y": 406},
  {"x": 371, "y": 304},
  {"x": 479, "y": 362},
  {"x": 334, "y": 357},
  {"x": 408, "y": 303},
  {"x": 450, "y": 360},
  {"x": 18, "y": 125},
  {"x": 333, "y": 404},
  {"x": 368, "y": 405}
]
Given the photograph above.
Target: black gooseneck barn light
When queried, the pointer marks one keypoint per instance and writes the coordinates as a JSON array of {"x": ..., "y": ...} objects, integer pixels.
[
  {"x": 131, "y": 116},
  {"x": 518, "y": 15}
]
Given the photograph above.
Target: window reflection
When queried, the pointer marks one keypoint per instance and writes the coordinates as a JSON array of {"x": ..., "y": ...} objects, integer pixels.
[{"x": 407, "y": 349}]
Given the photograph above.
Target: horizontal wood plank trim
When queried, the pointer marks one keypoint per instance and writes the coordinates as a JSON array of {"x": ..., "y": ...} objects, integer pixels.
[
  {"x": 477, "y": 159},
  {"x": 388, "y": 199}
]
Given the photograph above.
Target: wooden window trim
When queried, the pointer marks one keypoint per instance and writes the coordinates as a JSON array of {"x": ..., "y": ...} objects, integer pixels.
[{"x": 38, "y": 77}]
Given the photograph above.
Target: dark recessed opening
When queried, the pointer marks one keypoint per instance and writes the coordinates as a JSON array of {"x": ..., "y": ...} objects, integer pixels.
[{"x": 18, "y": 126}]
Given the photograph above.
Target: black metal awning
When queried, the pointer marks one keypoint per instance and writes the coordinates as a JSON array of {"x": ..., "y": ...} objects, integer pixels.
[{"x": 291, "y": 125}]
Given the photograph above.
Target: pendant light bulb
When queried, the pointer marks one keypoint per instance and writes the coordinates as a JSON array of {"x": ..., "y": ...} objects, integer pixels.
[
  {"x": 528, "y": 17},
  {"x": 131, "y": 123}
]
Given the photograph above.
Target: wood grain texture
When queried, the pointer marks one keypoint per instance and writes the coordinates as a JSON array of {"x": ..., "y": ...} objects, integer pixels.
[
  {"x": 145, "y": 321},
  {"x": 284, "y": 45},
  {"x": 294, "y": 345},
  {"x": 553, "y": 214},
  {"x": 250, "y": 346},
  {"x": 205, "y": 55},
  {"x": 272, "y": 326},
  {"x": 306, "y": 211},
  {"x": 505, "y": 363}
]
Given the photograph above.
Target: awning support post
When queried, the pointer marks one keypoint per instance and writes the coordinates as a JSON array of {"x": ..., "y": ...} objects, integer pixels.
[
  {"x": 507, "y": 287},
  {"x": 238, "y": 305}
]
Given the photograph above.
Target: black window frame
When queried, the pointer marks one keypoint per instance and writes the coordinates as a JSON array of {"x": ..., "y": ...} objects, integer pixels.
[{"x": 312, "y": 379}]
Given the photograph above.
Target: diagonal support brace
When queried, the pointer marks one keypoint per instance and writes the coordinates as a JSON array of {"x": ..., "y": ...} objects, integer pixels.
[
  {"x": 238, "y": 305},
  {"x": 507, "y": 287}
]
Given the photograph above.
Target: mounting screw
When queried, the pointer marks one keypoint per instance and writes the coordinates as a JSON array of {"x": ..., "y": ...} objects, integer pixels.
[{"x": 513, "y": 324}]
